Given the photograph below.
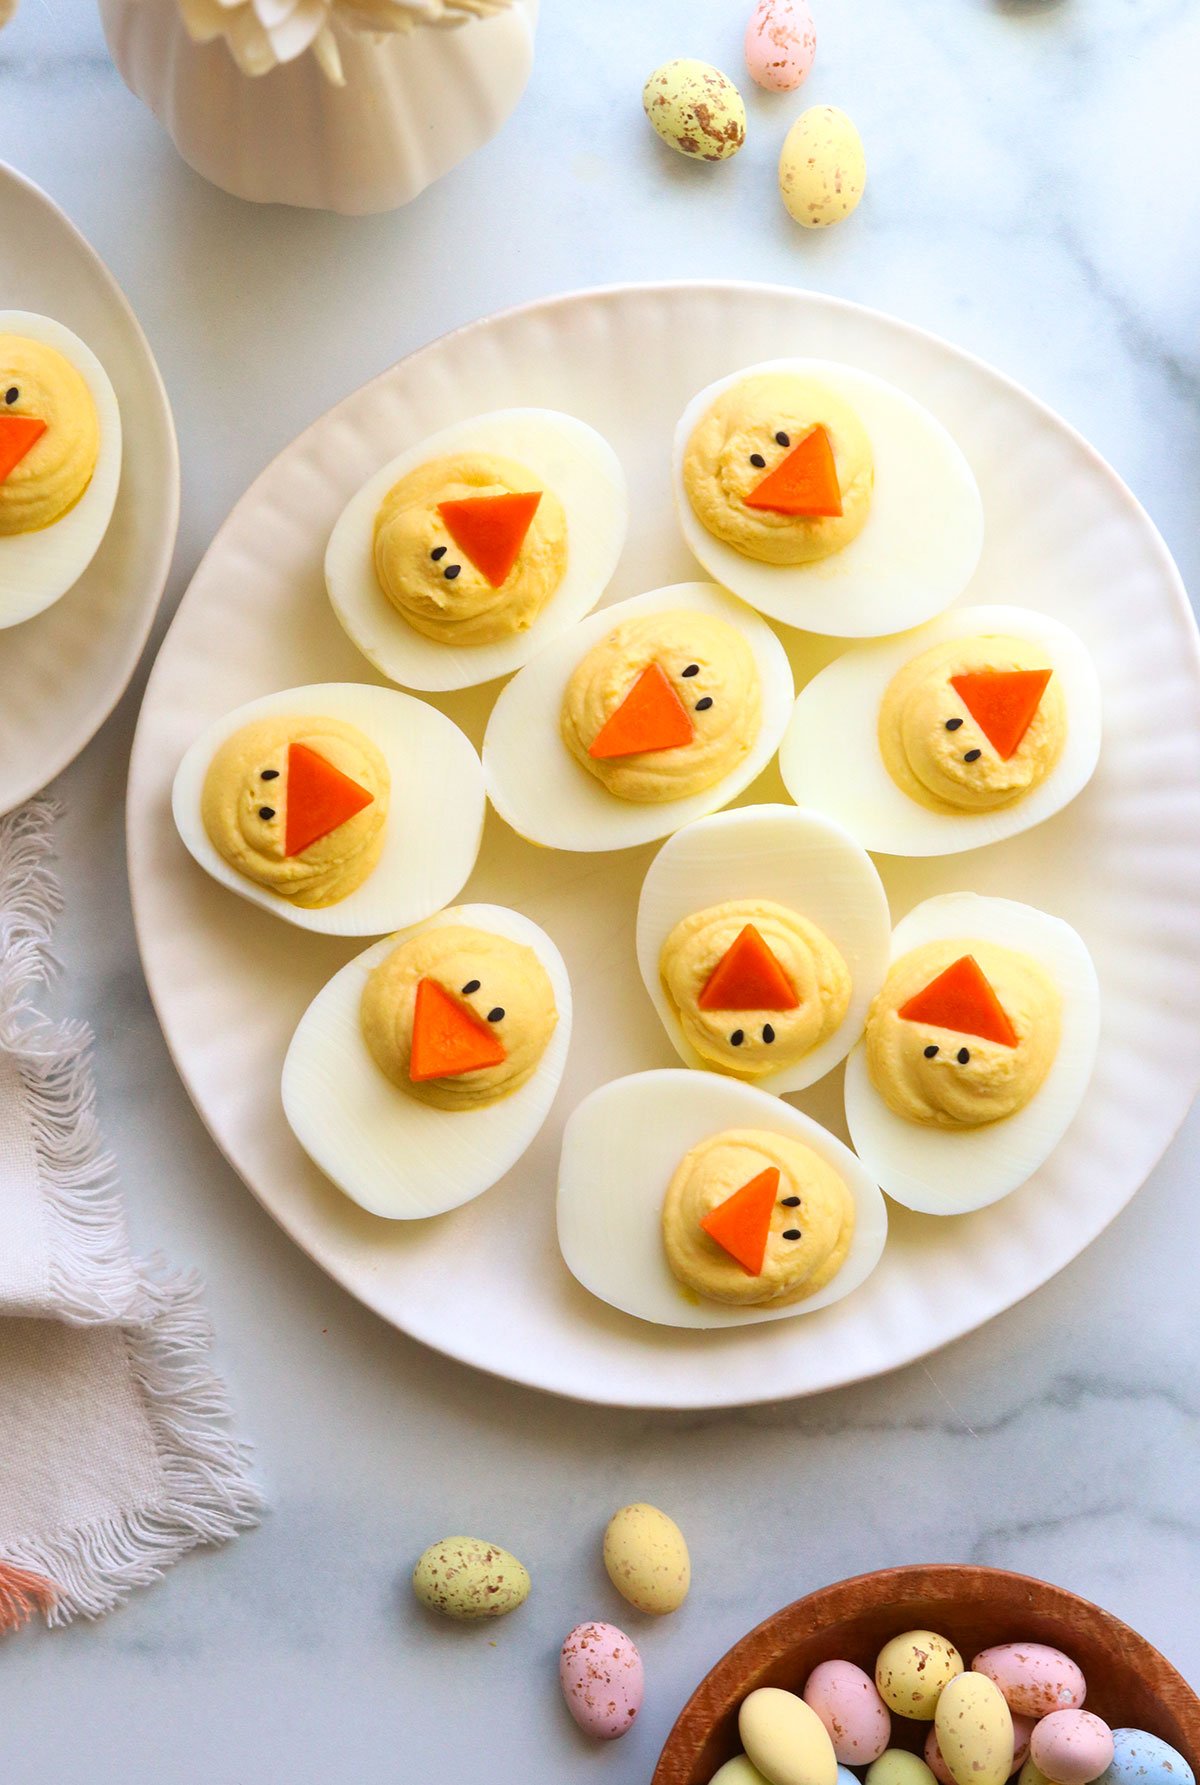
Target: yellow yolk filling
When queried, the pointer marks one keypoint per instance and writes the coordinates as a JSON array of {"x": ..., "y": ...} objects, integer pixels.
[
  {"x": 53, "y": 474},
  {"x": 445, "y": 597}
]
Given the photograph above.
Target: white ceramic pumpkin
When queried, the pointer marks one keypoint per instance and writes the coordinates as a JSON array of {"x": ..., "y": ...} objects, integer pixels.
[{"x": 412, "y": 106}]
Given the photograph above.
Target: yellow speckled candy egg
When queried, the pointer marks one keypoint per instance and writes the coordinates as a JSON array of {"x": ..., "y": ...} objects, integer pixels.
[
  {"x": 975, "y": 1731},
  {"x": 785, "y": 1739},
  {"x": 912, "y": 1670},
  {"x": 647, "y": 1559},
  {"x": 696, "y": 110},
  {"x": 466, "y": 1578},
  {"x": 822, "y": 168}
]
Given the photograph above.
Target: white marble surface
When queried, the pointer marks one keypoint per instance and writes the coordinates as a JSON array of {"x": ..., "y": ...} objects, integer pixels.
[{"x": 1027, "y": 200}]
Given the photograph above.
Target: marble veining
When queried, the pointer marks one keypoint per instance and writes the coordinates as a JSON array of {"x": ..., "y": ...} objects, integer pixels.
[{"x": 1027, "y": 199}]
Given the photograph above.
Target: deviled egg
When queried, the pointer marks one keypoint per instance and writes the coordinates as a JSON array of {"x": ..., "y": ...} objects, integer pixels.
[
  {"x": 465, "y": 555},
  {"x": 762, "y": 936},
  {"x": 341, "y": 807},
  {"x": 826, "y": 498},
  {"x": 694, "y": 1201},
  {"x": 650, "y": 713},
  {"x": 968, "y": 730},
  {"x": 978, "y": 1051},
  {"x": 60, "y": 461},
  {"x": 424, "y": 1069}
]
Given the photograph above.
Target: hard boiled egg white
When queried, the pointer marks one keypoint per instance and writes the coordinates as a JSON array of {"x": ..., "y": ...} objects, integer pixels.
[
  {"x": 36, "y": 569},
  {"x": 571, "y": 459},
  {"x": 620, "y": 1150},
  {"x": 950, "y": 1171},
  {"x": 397, "y": 1157},
  {"x": 921, "y": 541},
  {"x": 543, "y": 793},
  {"x": 830, "y": 754},
  {"x": 435, "y": 811},
  {"x": 798, "y": 859}
]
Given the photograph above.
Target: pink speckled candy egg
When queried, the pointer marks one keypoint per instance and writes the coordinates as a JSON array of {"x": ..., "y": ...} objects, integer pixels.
[
  {"x": 845, "y": 1699},
  {"x": 1071, "y": 1747},
  {"x": 1034, "y": 1678},
  {"x": 781, "y": 41},
  {"x": 936, "y": 1762},
  {"x": 602, "y": 1680}
]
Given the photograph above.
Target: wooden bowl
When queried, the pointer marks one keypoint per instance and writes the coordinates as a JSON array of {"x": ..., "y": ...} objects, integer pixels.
[{"x": 1129, "y": 1683}]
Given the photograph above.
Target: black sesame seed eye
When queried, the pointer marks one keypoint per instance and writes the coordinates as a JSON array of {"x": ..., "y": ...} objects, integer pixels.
[
  {"x": 693, "y": 669},
  {"x": 496, "y": 1015},
  {"x": 962, "y": 1056},
  {"x": 438, "y": 553},
  {"x": 269, "y": 775},
  {"x": 266, "y": 813},
  {"x": 11, "y": 394},
  {"x": 782, "y": 440},
  {"x": 472, "y": 985},
  {"x": 790, "y": 1202},
  {"x": 953, "y": 724},
  {"x": 791, "y": 1233},
  {"x": 737, "y": 1038},
  {"x": 757, "y": 460},
  {"x": 451, "y": 571},
  {"x": 768, "y": 1033},
  {"x": 972, "y": 755},
  {"x": 703, "y": 705},
  {"x": 931, "y": 1050}
]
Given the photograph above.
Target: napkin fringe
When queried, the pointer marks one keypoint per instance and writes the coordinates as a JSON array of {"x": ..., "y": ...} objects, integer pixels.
[
  {"x": 207, "y": 1494},
  {"x": 90, "y": 1272}
]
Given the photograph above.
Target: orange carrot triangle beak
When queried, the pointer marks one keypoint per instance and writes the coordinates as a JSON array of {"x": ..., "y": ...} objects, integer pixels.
[
  {"x": 651, "y": 717},
  {"x": 448, "y": 1039},
  {"x": 319, "y": 798},
  {"x": 964, "y": 1000},
  {"x": 741, "y": 1225},
  {"x": 803, "y": 483},
  {"x": 17, "y": 434},
  {"x": 1002, "y": 703},
  {"x": 490, "y": 530},
  {"x": 748, "y": 977}
]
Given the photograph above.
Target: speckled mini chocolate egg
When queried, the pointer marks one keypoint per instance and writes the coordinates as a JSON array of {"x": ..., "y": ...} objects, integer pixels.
[
  {"x": 1071, "y": 1747},
  {"x": 822, "y": 167},
  {"x": 781, "y": 41},
  {"x": 912, "y": 1670},
  {"x": 848, "y": 1704},
  {"x": 974, "y": 1730},
  {"x": 466, "y": 1578},
  {"x": 935, "y": 1761},
  {"x": 602, "y": 1680},
  {"x": 1143, "y": 1759},
  {"x": 896, "y": 1766},
  {"x": 647, "y": 1559},
  {"x": 696, "y": 110},
  {"x": 1034, "y": 1678}
]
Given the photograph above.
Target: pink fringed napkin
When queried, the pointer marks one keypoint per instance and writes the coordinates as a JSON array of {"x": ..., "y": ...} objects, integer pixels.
[{"x": 115, "y": 1456}]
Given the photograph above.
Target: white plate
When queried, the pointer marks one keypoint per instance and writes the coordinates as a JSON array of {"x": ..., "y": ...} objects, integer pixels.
[
  {"x": 1122, "y": 863},
  {"x": 63, "y": 672}
]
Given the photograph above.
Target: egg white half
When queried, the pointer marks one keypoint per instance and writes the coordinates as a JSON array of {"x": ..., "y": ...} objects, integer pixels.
[
  {"x": 830, "y": 754},
  {"x": 537, "y": 786},
  {"x": 798, "y": 859},
  {"x": 565, "y": 455},
  {"x": 394, "y": 1156},
  {"x": 37, "y": 569},
  {"x": 921, "y": 542},
  {"x": 620, "y": 1150},
  {"x": 435, "y": 811},
  {"x": 947, "y": 1171}
]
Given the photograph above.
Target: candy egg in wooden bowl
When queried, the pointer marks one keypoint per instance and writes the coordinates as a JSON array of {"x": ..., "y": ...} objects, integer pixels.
[{"x": 1128, "y": 1683}]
